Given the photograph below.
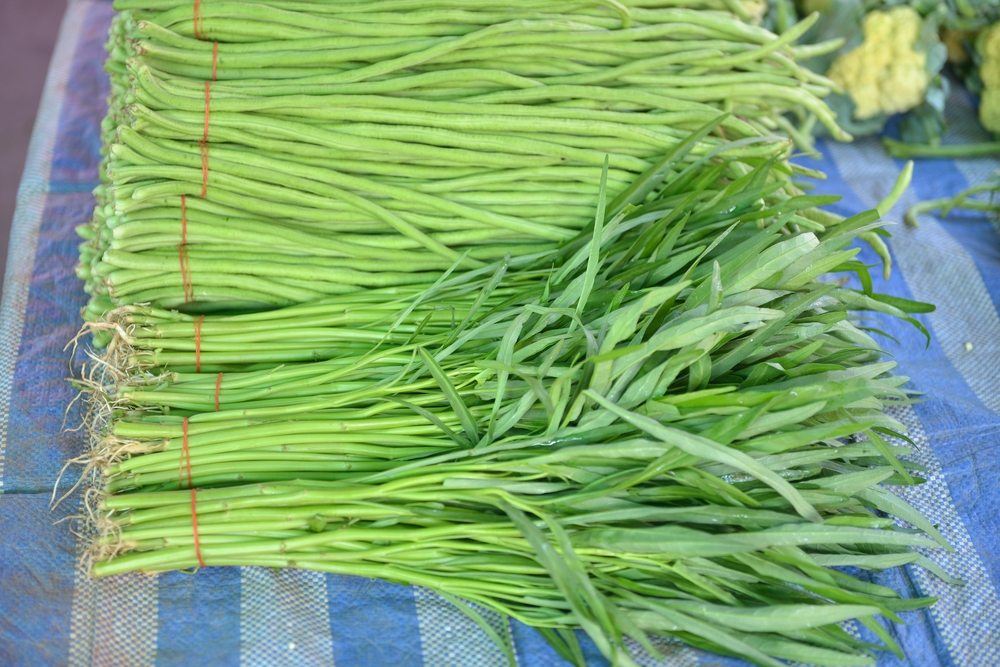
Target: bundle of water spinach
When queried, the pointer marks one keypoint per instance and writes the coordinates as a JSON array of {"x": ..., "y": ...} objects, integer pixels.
[
  {"x": 668, "y": 427},
  {"x": 373, "y": 144}
]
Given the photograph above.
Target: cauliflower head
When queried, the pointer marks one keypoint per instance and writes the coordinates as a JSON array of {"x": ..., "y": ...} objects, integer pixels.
[
  {"x": 988, "y": 46},
  {"x": 887, "y": 73}
]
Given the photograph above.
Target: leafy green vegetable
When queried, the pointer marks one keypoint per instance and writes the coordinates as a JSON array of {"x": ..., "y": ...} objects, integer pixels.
[
  {"x": 521, "y": 304},
  {"x": 661, "y": 451}
]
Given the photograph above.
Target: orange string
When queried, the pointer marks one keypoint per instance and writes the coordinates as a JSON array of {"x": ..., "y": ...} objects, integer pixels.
[
  {"x": 218, "y": 390},
  {"x": 197, "y": 343},
  {"x": 215, "y": 61},
  {"x": 194, "y": 527},
  {"x": 186, "y": 454},
  {"x": 196, "y": 19},
  {"x": 182, "y": 255},
  {"x": 203, "y": 144}
]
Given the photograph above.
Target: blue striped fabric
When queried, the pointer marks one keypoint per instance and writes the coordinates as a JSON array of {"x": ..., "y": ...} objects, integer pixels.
[{"x": 52, "y": 613}]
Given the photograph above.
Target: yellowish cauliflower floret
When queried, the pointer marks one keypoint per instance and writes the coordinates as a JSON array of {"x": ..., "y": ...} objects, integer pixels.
[
  {"x": 886, "y": 74},
  {"x": 989, "y": 106}
]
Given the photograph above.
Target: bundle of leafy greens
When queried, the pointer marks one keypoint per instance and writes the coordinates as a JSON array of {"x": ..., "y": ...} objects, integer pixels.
[
  {"x": 669, "y": 427},
  {"x": 301, "y": 151}
]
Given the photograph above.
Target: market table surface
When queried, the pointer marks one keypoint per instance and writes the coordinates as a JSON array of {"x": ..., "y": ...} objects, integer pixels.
[{"x": 51, "y": 612}]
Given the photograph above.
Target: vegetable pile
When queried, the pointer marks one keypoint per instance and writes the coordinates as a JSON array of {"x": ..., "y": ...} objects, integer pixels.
[
  {"x": 520, "y": 303},
  {"x": 375, "y": 144}
]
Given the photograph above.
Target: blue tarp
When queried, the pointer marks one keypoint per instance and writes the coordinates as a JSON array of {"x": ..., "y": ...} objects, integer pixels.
[{"x": 52, "y": 613}]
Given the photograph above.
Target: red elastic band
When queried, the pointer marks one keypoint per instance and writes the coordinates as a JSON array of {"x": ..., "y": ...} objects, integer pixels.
[
  {"x": 196, "y": 19},
  {"x": 194, "y": 527},
  {"x": 215, "y": 61},
  {"x": 218, "y": 390},
  {"x": 186, "y": 452},
  {"x": 186, "y": 455},
  {"x": 203, "y": 144},
  {"x": 182, "y": 255},
  {"x": 197, "y": 343},
  {"x": 208, "y": 109}
]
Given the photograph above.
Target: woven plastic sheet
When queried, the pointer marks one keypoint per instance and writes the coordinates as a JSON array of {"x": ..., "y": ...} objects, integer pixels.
[{"x": 52, "y": 613}]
